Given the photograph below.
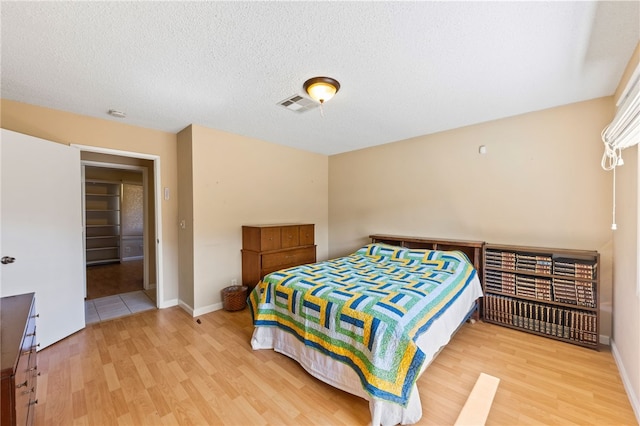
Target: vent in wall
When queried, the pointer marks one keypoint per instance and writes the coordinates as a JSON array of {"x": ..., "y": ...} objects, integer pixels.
[{"x": 297, "y": 103}]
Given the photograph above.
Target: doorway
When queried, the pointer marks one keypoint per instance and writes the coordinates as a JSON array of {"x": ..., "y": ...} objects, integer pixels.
[{"x": 119, "y": 226}]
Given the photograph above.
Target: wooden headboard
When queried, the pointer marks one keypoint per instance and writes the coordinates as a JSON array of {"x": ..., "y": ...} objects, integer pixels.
[{"x": 473, "y": 249}]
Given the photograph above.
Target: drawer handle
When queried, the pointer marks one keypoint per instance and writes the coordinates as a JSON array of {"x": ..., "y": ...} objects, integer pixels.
[
  {"x": 35, "y": 316},
  {"x": 34, "y": 402},
  {"x": 33, "y": 349},
  {"x": 31, "y": 334},
  {"x": 29, "y": 391},
  {"x": 33, "y": 368},
  {"x": 21, "y": 385}
]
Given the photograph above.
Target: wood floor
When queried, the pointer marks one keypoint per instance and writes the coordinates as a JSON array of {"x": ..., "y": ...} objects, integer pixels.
[
  {"x": 114, "y": 278},
  {"x": 163, "y": 367}
]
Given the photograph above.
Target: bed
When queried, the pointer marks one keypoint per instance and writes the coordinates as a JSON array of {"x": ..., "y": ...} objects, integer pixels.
[{"x": 371, "y": 322}]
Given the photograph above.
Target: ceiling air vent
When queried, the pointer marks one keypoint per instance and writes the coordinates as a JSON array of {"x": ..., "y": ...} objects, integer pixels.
[{"x": 297, "y": 103}]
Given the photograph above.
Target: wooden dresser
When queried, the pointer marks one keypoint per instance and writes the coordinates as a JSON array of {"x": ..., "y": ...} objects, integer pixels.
[
  {"x": 19, "y": 368},
  {"x": 268, "y": 248}
]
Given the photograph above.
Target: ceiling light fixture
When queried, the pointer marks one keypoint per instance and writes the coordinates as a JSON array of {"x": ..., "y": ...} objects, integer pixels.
[{"x": 321, "y": 88}]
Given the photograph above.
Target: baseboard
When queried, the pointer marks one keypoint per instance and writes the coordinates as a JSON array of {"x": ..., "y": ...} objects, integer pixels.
[
  {"x": 633, "y": 398},
  {"x": 168, "y": 303},
  {"x": 605, "y": 340},
  {"x": 185, "y": 307},
  {"x": 207, "y": 309},
  {"x": 200, "y": 311}
]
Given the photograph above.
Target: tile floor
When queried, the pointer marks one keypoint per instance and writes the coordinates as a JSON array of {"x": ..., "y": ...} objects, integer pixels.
[{"x": 110, "y": 307}]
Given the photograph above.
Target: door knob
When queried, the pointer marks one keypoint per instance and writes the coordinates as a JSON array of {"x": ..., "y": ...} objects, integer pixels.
[{"x": 7, "y": 259}]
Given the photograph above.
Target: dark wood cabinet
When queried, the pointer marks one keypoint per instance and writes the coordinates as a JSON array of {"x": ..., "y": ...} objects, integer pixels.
[
  {"x": 268, "y": 248},
  {"x": 19, "y": 367}
]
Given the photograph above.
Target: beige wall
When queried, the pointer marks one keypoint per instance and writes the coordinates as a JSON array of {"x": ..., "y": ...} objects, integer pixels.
[
  {"x": 241, "y": 181},
  {"x": 68, "y": 128},
  {"x": 626, "y": 293},
  {"x": 539, "y": 184},
  {"x": 626, "y": 299}
]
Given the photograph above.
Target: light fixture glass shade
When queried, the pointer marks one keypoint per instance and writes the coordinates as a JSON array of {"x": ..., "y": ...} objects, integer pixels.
[{"x": 321, "y": 88}]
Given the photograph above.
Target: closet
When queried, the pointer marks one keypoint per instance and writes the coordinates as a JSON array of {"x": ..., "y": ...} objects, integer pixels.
[
  {"x": 102, "y": 221},
  {"x": 114, "y": 215}
]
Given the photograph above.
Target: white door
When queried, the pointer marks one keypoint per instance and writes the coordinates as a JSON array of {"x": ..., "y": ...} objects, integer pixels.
[{"x": 41, "y": 227}]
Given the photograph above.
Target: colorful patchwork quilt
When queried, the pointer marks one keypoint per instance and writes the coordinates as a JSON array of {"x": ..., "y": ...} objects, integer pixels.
[{"x": 366, "y": 310}]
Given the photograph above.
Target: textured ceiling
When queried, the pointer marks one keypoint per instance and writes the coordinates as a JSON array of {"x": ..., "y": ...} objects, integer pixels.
[{"x": 406, "y": 68}]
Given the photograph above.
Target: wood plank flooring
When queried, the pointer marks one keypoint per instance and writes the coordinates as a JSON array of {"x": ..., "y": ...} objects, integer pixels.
[
  {"x": 114, "y": 278},
  {"x": 162, "y": 367}
]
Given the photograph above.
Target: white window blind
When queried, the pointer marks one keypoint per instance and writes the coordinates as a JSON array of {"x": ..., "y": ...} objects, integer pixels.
[{"x": 623, "y": 131}]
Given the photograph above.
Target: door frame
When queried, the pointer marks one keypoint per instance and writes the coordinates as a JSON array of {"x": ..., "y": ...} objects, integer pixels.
[{"x": 157, "y": 189}]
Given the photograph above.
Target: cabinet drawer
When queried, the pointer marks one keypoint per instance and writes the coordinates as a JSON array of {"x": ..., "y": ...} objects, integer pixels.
[
  {"x": 283, "y": 259},
  {"x": 290, "y": 236},
  {"x": 307, "y": 236},
  {"x": 269, "y": 239}
]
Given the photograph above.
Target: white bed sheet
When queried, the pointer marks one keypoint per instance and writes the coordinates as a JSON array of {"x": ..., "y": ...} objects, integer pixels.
[{"x": 341, "y": 376}]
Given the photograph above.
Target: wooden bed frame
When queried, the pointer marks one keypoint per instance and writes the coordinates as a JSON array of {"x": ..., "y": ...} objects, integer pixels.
[{"x": 473, "y": 249}]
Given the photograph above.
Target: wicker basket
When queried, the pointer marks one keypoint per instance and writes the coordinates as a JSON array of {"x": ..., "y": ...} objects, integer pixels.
[{"x": 234, "y": 298}]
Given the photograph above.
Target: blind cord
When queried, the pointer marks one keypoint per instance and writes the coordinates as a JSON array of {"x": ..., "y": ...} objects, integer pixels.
[
  {"x": 614, "y": 226},
  {"x": 611, "y": 158}
]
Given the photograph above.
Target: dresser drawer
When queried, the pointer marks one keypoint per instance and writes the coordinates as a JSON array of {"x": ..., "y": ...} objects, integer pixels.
[
  {"x": 283, "y": 259},
  {"x": 256, "y": 238},
  {"x": 269, "y": 239},
  {"x": 307, "y": 235},
  {"x": 290, "y": 236}
]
